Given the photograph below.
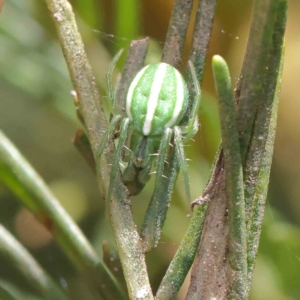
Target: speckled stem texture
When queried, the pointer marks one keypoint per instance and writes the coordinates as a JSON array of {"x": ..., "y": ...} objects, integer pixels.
[
  {"x": 211, "y": 268},
  {"x": 127, "y": 238},
  {"x": 178, "y": 26}
]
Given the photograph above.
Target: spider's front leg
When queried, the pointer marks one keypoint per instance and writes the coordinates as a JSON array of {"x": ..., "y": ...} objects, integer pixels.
[
  {"x": 112, "y": 91},
  {"x": 114, "y": 119},
  {"x": 152, "y": 225},
  {"x": 117, "y": 157},
  {"x": 113, "y": 125},
  {"x": 191, "y": 127},
  {"x": 123, "y": 132},
  {"x": 111, "y": 129},
  {"x": 185, "y": 132},
  {"x": 178, "y": 141}
]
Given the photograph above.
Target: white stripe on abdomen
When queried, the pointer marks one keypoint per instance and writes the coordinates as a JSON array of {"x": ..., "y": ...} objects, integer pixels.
[{"x": 153, "y": 97}]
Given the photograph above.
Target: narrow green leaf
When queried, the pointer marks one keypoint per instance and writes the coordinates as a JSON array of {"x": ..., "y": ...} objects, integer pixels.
[
  {"x": 201, "y": 36},
  {"x": 266, "y": 129},
  {"x": 23, "y": 180},
  {"x": 234, "y": 178},
  {"x": 253, "y": 70},
  {"x": 266, "y": 100},
  {"x": 32, "y": 272}
]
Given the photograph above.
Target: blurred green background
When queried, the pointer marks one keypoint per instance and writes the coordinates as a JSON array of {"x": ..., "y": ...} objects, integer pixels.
[{"x": 37, "y": 114}]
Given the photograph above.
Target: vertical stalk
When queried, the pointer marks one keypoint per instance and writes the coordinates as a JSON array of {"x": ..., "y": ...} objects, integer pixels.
[
  {"x": 178, "y": 26},
  {"x": 259, "y": 198},
  {"x": 126, "y": 235},
  {"x": 184, "y": 257},
  {"x": 253, "y": 70},
  {"x": 234, "y": 180}
]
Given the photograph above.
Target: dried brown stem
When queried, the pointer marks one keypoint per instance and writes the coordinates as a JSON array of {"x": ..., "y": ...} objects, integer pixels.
[{"x": 177, "y": 32}]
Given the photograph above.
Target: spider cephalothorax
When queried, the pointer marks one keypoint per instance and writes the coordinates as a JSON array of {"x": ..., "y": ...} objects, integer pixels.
[{"x": 156, "y": 105}]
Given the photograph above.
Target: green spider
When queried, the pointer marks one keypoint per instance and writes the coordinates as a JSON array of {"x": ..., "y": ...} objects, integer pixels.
[{"x": 157, "y": 122}]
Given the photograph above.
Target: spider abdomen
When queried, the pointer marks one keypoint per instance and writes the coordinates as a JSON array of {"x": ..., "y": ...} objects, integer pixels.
[{"x": 157, "y": 99}]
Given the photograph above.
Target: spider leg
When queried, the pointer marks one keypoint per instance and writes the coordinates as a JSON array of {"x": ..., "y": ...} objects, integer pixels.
[
  {"x": 192, "y": 125},
  {"x": 112, "y": 125},
  {"x": 127, "y": 152},
  {"x": 163, "y": 152},
  {"x": 115, "y": 92},
  {"x": 153, "y": 221},
  {"x": 181, "y": 159},
  {"x": 110, "y": 90},
  {"x": 117, "y": 157}
]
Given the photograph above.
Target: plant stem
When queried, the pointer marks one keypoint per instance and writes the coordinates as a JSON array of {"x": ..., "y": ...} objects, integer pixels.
[
  {"x": 184, "y": 257},
  {"x": 178, "y": 26},
  {"x": 253, "y": 70},
  {"x": 201, "y": 35},
  {"x": 266, "y": 100},
  {"x": 234, "y": 179},
  {"x": 22, "y": 179},
  {"x": 209, "y": 279},
  {"x": 213, "y": 282},
  {"x": 273, "y": 85},
  {"x": 127, "y": 238},
  {"x": 32, "y": 272},
  {"x": 201, "y": 39}
]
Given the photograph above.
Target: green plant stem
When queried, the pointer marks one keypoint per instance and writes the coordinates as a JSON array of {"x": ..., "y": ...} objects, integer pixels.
[
  {"x": 260, "y": 195},
  {"x": 201, "y": 35},
  {"x": 32, "y": 272},
  {"x": 261, "y": 129},
  {"x": 184, "y": 257},
  {"x": 253, "y": 70},
  {"x": 233, "y": 177},
  {"x": 201, "y": 39},
  {"x": 178, "y": 26},
  {"x": 127, "y": 238},
  {"x": 22, "y": 179}
]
